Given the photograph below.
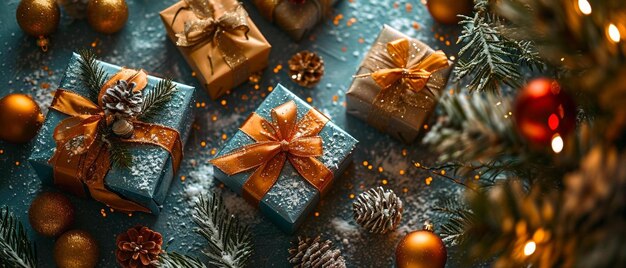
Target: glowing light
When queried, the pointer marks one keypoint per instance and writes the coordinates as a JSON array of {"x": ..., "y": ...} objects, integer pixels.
[
  {"x": 553, "y": 121},
  {"x": 613, "y": 33},
  {"x": 530, "y": 248},
  {"x": 584, "y": 7},
  {"x": 557, "y": 143}
]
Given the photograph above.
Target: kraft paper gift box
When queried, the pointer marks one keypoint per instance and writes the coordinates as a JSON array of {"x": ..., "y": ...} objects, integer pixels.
[
  {"x": 291, "y": 198},
  {"x": 218, "y": 40},
  {"x": 399, "y": 110},
  {"x": 148, "y": 179}
]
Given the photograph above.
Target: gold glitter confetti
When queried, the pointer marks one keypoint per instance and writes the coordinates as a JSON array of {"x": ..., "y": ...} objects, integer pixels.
[
  {"x": 223, "y": 102},
  {"x": 17, "y": 163},
  {"x": 384, "y": 181},
  {"x": 402, "y": 172},
  {"x": 351, "y": 196},
  {"x": 214, "y": 118},
  {"x": 317, "y": 214},
  {"x": 335, "y": 98},
  {"x": 193, "y": 74},
  {"x": 380, "y": 169},
  {"x": 365, "y": 163},
  {"x": 370, "y": 167},
  {"x": 213, "y": 151},
  {"x": 270, "y": 88},
  {"x": 476, "y": 177},
  {"x": 443, "y": 172},
  {"x": 103, "y": 213},
  {"x": 203, "y": 143},
  {"x": 309, "y": 99},
  {"x": 203, "y": 104},
  {"x": 404, "y": 152},
  {"x": 405, "y": 190},
  {"x": 417, "y": 164},
  {"x": 426, "y": 126},
  {"x": 428, "y": 180},
  {"x": 224, "y": 136},
  {"x": 197, "y": 105},
  {"x": 361, "y": 40},
  {"x": 350, "y": 22},
  {"x": 183, "y": 178},
  {"x": 337, "y": 18},
  {"x": 408, "y": 7}
]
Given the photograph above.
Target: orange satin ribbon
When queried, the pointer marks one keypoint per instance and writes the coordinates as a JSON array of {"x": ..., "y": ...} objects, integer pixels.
[
  {"x": 416, "y": 76},
  {"x": 277, "y": 141},
  {"x": 82, "y": 155}
]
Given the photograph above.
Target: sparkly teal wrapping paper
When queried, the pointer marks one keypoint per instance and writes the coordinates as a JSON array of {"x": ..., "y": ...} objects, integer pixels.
[
  {"x": 292, "y": 198},
  {"x": 147, "y": 181}
]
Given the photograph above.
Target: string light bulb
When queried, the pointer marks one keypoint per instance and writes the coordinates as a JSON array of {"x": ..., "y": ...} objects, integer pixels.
[
  {"x": 613, "y": 33},
  {"x": 584, "y": 7},
  {"x": 530, "y": 248},
  {"x": 557, "y": 143}
]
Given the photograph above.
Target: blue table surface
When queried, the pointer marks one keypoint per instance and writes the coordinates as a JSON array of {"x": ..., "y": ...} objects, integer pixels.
[{"x": 143, "y": 44}]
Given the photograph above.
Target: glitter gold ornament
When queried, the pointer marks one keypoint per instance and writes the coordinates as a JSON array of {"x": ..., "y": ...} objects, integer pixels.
[
  {"x": 51, "y": 214},
  {"x": 38, "y": 18},
  {"x": 421, "y": 249},
  {"x": 447, "y": 11},
  {"x": 306, "y": 68},
  {"x": 76, "y": 249},
  {"x": 20, "y": 118},
  {"x": 107, "y": 16}
]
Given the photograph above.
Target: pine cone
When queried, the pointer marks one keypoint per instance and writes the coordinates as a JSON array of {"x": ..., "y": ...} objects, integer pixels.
[
  {"x": 310, "y": 253},
  {"x": 306, "y": 68},
  {"x": 378, "y": 210},
  {"x": 138, "y": 247},
  {"x": 122, "y": 101}
]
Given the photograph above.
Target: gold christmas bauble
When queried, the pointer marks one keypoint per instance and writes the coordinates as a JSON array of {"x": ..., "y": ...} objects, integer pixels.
[
  {"x": 20, "y": 118},
  {"x": 38, "y": 17},
  {"x": 51, "y": 214},
  {"x": 446, "y": 11},
  {"x": 107, "y": 16},
  {"x": 76, "y": 249},
  {"x": 421, "y": 249}
]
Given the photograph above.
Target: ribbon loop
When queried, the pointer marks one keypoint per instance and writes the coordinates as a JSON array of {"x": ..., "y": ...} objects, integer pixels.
[
  {"x": 82, "y": 155},
  {"x": 277, "y": 141}
]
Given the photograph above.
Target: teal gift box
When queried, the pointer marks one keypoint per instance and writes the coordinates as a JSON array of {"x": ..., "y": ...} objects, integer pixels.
[
  {"x": 291, "y": 198},
  {"x": 148, "y": 179}
]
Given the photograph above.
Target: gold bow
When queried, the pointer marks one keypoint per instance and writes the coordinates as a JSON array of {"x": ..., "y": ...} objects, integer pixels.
[
  {"x": 416, "y": 76},
  {"x": 82, "y": 155},
  {"x": 218, "y": 31},
  {"x": 277, "y": 141}
]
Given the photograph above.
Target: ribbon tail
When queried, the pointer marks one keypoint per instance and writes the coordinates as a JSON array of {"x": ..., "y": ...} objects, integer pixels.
[
  {"x": 313, "y": 171},
  {"x": 247, "y": 157},
  {"x": 263, "y": 178}
]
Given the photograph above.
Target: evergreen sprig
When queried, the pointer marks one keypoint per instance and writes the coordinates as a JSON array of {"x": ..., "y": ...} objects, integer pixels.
[
  {"x": 177, "y": 260},
  {"x": 15, "y": 247},
  {"x": 229, "y": 243},
  {"x": 157, "y": 98},
  {"x": 460, "y": 218},
  {"x": 92, "y": 74},
  {"x": 488, "y": 56},
  {"x": 121, "y": 156}
]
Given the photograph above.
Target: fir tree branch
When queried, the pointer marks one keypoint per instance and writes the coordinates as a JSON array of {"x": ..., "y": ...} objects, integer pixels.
[
  {"x": 15, "y": 248},
  {"x": 157, "y": 98},
  {"x": 460, "y": 219},
  {"x": 229, "y": 242},
  {"x": 177, "y": 260},
  {"x": 91, "y": 73},
  {"x": 120, "y": 155}
]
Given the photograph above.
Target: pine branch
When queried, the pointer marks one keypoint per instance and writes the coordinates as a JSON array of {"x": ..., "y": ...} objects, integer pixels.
[
  {"x": 120, "y": 155},
  {"x": 177, "y": 260},
  {"x": 15, "y": 248},
  {"x": 157, "y": 98},
  {"x": 474, "y": 128},
  {"x": 91, "y": 73},
  {"x": 229, "y": 242},
  {"x": 460, "y": 219}
]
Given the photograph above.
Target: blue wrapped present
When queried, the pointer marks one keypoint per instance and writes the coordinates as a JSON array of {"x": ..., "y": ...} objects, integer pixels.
[
  {"x": 71, "y": 154},
  {"x": 284, "y": 157}
]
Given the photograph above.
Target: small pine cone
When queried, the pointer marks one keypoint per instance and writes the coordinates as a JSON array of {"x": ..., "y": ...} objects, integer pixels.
[
  {"x": 378, "y": 210},
  {"x": 306, "y": 68},
  {"x": 311, "y": 253},
  {"x": 122, "y": 101},
  {"x": 138, "y": 247}
]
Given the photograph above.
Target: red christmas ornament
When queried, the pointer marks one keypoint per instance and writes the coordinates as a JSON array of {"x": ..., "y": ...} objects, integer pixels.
[{"x": 544, "y": 111}]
